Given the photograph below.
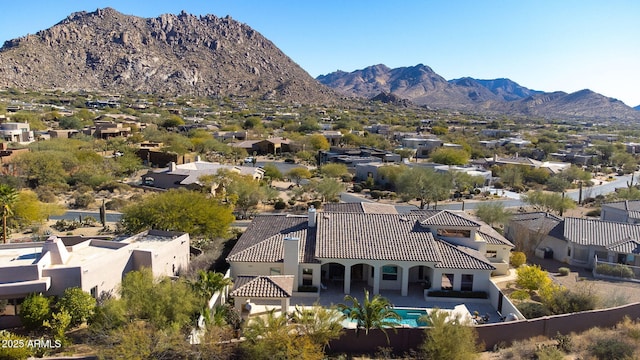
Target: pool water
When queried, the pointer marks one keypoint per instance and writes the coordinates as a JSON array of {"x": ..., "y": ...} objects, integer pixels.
[{"x": 410, "y": 317}]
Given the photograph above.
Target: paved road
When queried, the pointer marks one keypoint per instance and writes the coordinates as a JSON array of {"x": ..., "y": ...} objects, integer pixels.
[{"x": 511, "y": 199}]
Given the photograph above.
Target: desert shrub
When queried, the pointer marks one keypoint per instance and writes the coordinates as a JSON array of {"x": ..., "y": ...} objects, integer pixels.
[
  {"x": 549, "y": 352},
  {"x": 517, "y": 259},
  {"x": 66, "y": 225},
  {"x": 46, "y": 195},
  {"x": 560, "y": 300},
  {"x": 280, "y": 205},
  {"x": 83, "y": 200},
  {"x": 116, "y": 204},
  {"x": 112, "y": 186},
  {"x": 611, "y": 349},
  {"x": 593, "y": 213},
  {"x": 357, "y": 188},
  {"x": 35, "y": 310},
  {"x": 532, "y": 310},
  {"x": 376, "y": 194},
  {"x": 618, "y": 270},
  {"x": 564, "y": 342},
  {"x": 78, "y": 304},
  {"x": 563, "y": 271},
  {"x": 8, "y": 351},
  {"x": 520, "y": 295}
]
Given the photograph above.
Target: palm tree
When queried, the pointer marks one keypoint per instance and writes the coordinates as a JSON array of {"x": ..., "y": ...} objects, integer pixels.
[
  {"x": 210, "y": 282},
  {"x": 320, "y": 324},
  {"x": 8, "y": 197},
  {"x": 375, "y": 313}
]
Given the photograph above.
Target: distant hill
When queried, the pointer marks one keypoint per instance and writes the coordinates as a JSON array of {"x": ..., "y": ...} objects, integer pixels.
[
  {"x": 422, "y": 86},
  {"x": 171, "y": 54},
  {"x": 637, "y": 108}
]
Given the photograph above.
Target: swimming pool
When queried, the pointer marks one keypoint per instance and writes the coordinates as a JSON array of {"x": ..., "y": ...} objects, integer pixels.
[{"x": 408, "y": 317}]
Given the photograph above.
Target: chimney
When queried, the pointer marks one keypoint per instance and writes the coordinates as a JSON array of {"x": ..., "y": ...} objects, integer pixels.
[
  {"x": 291, "y": 257},
  {"x": 312, "y": 217},
  {"x": 59, "y": 253},
  {"x": 172, "y": 166}
]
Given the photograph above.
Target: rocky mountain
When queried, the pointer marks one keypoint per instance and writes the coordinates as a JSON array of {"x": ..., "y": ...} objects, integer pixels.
[
  {"x": 422, "y": 86},
  {"x": 171, "y": 54}
]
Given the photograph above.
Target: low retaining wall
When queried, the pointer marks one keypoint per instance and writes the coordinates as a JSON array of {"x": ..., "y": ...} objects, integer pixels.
[{"x": 406, "y": 339}]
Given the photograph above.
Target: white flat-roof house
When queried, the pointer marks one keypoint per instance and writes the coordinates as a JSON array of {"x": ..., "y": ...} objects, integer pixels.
[
  {"x": 16, "y": 132},
  {"x": 347, "y": 244},
  {"x": 94, "y": 265}
]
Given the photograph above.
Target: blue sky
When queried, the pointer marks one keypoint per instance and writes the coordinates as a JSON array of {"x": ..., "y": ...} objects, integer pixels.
[{"x": 547, "y": 45}]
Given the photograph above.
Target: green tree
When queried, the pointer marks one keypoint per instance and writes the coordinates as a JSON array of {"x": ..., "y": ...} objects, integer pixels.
[
  {"x": 548, "y": 201},
  {"x": 375, "y": 313},
  {"x": 493, "y": 212},
  {"x": 425, "y": 185},
  {"x": 164, "y": 303},
  {"x": 511, "y": 175},
  {"x": 334, "y": 170},
  {"x": 43, "y": 167},
  {"x": 78, "y": 304},
  {"x": 448, "y": 338},
  {"x": 318, "y": 142},
  {"x": 28, "y": 209},
  {"x": 244, "y": 192},
  {"x": 35, "y": 310},
  {"x": 450, "y": 156},
  {"x": 297, "y": 174},
  {"x": 8, "y": 197},
  {"x": 271, "y": 171},
  {"x": 179, "y": 210},
  {"x": 532, "y": 277},
  {"x": 329, "y": 189}
]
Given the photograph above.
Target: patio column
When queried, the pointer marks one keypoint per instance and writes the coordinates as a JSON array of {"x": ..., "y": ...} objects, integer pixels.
[
  {"x": 376, "y": 279},
  {"x": 284, "y": 305},
  {"x": 405, "y": 282},
  {"x": 347, "y": 279}
]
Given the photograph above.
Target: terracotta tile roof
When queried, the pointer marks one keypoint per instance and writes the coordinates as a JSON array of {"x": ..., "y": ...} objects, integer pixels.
[
  {"x": 275, "y": 286},
  {"x": 448, "y": 218},
  {"x": 263, "y": 239},
  {"x": 361, "y": 207},
  {"x": 459, "y": 257},
  {"x": 598, "y": 232},
  {"x": 359, "y": 236},
  {"x": 343, "y": 207},
  {"x": 629, "y": 246},
  {"x": 375, "y": 237}
]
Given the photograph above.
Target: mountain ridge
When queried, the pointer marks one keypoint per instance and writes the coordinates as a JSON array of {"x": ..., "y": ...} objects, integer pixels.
[{"x": 500, "y": 95}]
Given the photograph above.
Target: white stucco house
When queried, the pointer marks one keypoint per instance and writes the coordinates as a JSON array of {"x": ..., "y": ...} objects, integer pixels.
[
  {"x": 347, "y": 245},
  {"x": 94, "y": 265}
]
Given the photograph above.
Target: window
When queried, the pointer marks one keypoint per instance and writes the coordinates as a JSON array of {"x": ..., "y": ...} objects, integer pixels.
[
  {"x": 275, "y": 271},
  {"x": 446, "y": 282},
  {"x": 389, "y": 273},
  {"x": 492, "y": 254},
  {"x": 467, "y": 282},
  {"x": 94, "y": 292},
  {"x": 307, "y": 277},
  {"x": 461, "y": 233}
]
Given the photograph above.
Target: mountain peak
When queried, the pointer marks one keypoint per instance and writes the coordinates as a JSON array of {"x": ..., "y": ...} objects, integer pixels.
[{"x": 106, "y": 50}]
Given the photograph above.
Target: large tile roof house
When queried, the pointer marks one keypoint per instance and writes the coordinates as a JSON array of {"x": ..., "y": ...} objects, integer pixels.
[
  {"x": 577, "y": 241},
  {"x": 345, "y": 245}
]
